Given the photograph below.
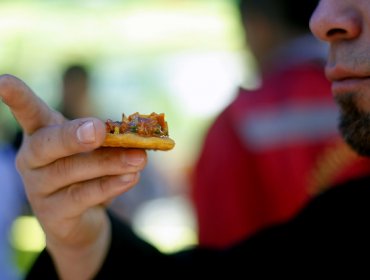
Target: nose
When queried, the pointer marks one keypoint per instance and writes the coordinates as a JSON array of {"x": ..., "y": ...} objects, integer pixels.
[{"x": 332, "y": 21}]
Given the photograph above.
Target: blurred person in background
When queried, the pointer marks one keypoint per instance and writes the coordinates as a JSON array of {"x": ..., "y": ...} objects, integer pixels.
[
  {"x": 75, "y": 91},
  {"x": 12, "y": 203},
  {"x": 76, "y": 102},
  {"x": 275, "y": 147}
]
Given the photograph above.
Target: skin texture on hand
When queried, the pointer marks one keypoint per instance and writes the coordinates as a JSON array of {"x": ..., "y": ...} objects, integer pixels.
[{"x": 69, "y": 179}]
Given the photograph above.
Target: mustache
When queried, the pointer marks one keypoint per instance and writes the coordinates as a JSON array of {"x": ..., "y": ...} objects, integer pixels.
[{"x": 358, "y": 60}]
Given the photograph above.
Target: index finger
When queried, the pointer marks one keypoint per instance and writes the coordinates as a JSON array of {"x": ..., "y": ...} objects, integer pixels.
[{"x": 29, "y": 110}]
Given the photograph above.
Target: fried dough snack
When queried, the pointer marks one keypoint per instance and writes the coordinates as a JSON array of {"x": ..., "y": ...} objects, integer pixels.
[{"x": 139, "y": 131}]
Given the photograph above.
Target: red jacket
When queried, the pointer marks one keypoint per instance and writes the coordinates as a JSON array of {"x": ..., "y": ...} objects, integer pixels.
[{"x": 267, "y": 153}]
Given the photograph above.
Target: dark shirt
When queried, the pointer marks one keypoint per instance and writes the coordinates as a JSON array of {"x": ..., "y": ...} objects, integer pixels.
[{"x": 330, "y": 235}]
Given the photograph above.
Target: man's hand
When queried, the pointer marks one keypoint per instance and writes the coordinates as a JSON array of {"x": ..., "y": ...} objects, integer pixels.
[{"x": 69, "y": 179}]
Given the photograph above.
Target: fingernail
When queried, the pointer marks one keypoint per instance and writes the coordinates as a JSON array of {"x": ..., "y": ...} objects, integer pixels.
[
  {"x": 133, "y": 159},
  {"x": 128, "y": 178},
  {"x": 86, "y": 132}
]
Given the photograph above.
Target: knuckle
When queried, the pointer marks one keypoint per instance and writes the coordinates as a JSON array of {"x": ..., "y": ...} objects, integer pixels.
[
  {"x": 19, "y": 162},
  {"x": 105, "y": 159},
  {"x": 24, "y": 156},
  {"x": 33, "y": 149},
  {"x": 62, "y": 167},
  {"x": 75, "y": 193},
  {"x": 101, "y": 187},
  {"x": 111, "y": 160},
  {"x": 36, "y": 184},
  {"x": 58, "y": 118},
  {"x": 66, "y": 135},
  {"x": 87, "y": 192}
]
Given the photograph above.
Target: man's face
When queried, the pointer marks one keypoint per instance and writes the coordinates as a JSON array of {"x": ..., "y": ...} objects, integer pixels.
[{"x": 345, "y": 25}]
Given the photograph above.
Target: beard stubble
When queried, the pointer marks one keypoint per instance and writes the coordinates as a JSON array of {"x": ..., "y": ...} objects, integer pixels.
[{"x": 354, "y": 123}]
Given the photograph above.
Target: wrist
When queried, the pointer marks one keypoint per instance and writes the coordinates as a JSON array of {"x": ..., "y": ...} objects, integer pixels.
[{"x": 73, "y": 261}]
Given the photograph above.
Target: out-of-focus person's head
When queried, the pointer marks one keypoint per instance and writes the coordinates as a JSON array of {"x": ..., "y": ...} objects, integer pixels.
[
  {"x": 268, "y": 24},
  {"x": 75, "y": 91},
  {"x": 292, "y": 13}
]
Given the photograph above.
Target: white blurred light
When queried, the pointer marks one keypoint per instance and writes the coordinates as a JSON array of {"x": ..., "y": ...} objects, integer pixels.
[
  {"x": 168, "y": 223},
  {"x": 203, "y": 83}
]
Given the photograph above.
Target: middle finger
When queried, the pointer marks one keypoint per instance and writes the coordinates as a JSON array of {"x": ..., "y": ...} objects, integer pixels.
[{"x": 86, "y": 166}]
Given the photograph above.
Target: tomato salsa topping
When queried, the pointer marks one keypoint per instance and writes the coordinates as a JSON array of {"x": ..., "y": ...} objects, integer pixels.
[{"x": 143, "y": 125}]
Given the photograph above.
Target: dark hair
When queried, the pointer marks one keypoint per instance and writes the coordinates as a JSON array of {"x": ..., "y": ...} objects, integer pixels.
[
  {"x": 75, "y": 70},
  {"x": 295, "y": 13}
]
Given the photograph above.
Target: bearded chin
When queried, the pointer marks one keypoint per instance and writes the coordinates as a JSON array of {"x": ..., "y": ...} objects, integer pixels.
[{"x": 354, "y": 124}]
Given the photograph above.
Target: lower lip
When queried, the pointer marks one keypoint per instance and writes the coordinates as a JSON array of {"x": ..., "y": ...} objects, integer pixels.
[{"x": 351, "y": 86}]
